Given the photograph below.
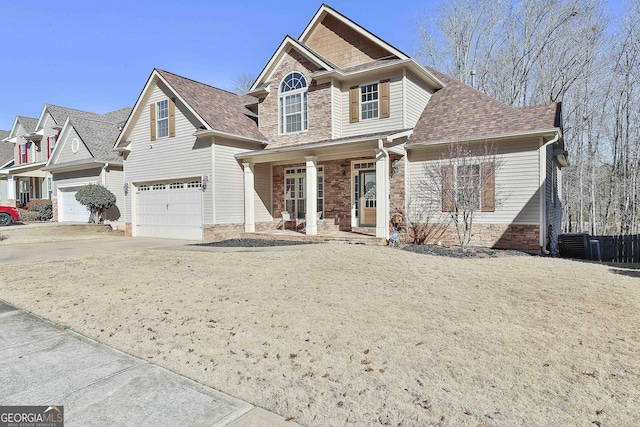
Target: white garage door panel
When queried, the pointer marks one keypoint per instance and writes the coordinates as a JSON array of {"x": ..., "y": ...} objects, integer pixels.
[
  {"x": 170, "y": 213},
  {"x": 70, "y": 210}
]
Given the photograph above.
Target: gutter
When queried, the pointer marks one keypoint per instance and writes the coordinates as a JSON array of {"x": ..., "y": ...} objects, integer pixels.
[
  {"x": 486, "y": 138},
  {"x": 543, "y": 193}
]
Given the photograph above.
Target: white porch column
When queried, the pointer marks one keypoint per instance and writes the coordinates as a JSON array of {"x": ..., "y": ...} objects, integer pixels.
[
  {"x": 11, "y": 188},
  {"x": 382, "y": 192},
  {"x": 311, "y": 196},
  {"x": 249, "y": 201}
]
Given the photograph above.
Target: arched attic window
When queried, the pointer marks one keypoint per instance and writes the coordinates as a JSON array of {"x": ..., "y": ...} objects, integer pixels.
[{"x": 292, "y": 103}]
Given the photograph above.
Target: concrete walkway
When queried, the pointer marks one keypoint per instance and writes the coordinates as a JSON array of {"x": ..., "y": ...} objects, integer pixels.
[{"x": 43, "y": 364}]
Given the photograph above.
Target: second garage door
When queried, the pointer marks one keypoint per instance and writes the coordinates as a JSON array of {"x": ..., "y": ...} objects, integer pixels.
[
  {"x": 69, "y": 209},
  {"x": 169, "y": 210}
]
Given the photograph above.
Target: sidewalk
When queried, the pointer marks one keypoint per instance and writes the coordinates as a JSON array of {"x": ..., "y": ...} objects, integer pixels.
[{"x": 42, "y": 364}]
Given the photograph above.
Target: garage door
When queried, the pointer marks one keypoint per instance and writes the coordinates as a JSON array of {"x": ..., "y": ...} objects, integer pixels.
[
  {"x": 170, "y": 210},
  {"x": 69, "y": 209}
]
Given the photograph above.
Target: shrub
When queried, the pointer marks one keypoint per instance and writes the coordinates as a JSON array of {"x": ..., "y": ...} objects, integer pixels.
[
  {"x": 97, "y": 199},
  {"x": 27, "y": 215},
  {"x": 42, "y": 207}
]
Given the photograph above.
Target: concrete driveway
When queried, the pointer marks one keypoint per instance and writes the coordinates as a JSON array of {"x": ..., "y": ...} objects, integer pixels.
[{"x": 66, "y": 249}]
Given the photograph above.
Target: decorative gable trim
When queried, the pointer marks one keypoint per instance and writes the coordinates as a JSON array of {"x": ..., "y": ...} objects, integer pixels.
[{"x": 287, "y": 43}]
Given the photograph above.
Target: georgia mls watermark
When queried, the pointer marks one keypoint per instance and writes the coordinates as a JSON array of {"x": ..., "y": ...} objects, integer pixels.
[{"x": 31, "y": 416}]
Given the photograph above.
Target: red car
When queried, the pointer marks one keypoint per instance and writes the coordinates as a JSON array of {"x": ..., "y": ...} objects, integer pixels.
[{"x": 8, "y": 215}]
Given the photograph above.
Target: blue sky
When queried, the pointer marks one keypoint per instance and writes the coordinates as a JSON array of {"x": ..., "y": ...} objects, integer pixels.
[{"x": 96, "y": 56}]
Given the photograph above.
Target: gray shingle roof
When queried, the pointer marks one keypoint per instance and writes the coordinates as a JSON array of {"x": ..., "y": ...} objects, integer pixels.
[
  {"x": 223, "y": 111},
  {"x": 28, "y": 123},
  {"x": 6, "y": 148},
  {"x": 99, "y": 137},
  {"x": 60, "y": 114},
  {"x": 459, "y": 112}
]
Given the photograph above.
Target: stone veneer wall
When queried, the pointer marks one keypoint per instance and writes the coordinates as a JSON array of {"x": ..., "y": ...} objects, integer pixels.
[
  {"x": 54, "y": 209},
  {"x": 319, "y": 105},
  {"x": 215, "y": 233},
  {"x": 523, "y": 237},
  {"x": 397, "y": 186}
]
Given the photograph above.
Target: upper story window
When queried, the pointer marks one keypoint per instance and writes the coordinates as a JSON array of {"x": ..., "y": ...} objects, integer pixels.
[
  {"x": 23, "y": 153},
  {"x": 162, "y": 120},
  {"x": 369, "y": 101},
  {"x": 51, "y": 144},
  {"x": 292, "y": 104}
]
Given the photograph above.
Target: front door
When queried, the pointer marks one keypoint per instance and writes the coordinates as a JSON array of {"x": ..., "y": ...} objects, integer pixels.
[{"x": 368, "y": 198}]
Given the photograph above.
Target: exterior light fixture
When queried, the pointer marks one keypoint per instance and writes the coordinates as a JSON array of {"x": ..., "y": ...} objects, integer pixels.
[
  {"x": 205, "y": 179},
  {"x": 343, "y": 169},
  {"x": 125, "y": 187}
]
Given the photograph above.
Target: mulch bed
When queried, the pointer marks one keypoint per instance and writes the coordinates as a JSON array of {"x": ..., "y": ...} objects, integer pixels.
[
  {"x": 455, "y": 252},
  {"x": 251, "y": 243}
]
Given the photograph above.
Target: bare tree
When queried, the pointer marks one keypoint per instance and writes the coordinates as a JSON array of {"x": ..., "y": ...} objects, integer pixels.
[
  {"x": 462, "y": 182},
  {"x": 242, "y": 82}
]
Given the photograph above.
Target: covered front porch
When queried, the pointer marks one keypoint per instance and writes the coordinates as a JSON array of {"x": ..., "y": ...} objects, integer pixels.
[
  {"x": 25, "y": 183},
  {"x": 325, "y": 188}
]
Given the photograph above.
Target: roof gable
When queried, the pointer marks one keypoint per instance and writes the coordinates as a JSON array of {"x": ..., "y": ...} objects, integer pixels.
[
  {"x": 460, "y": 113},
  {"x": 344, "y": 42},
  {"x": 216, "y": 109},
  {"x": 22, "y": 125},
  {"x": 59, "y": 114},
  {"x": 287, "y": 44}
]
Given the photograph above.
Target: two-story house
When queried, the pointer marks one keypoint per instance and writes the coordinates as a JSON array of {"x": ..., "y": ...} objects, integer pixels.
[
  {"x": 58, "y": 152},
  {"x": 22, "y": 177},
  {"x": 335, "y": 131}
]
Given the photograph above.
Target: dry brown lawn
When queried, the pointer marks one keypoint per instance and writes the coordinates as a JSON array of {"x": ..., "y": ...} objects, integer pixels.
[
  {"x": 353, "y": 335},
  {"x": 39, "y": 233}
]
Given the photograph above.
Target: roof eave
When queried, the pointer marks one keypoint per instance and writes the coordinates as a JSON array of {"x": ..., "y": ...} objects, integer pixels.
[
  {"x": 204, "y": 133},
  {"x": 74, "y": 167},
  {"x": 325, "y": 76},
  {"x": 495, "y": 137}
]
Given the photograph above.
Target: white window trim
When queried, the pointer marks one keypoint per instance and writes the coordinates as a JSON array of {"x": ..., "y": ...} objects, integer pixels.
[
  {"x": 158, "y": 119},
  {"x": 304, "y": 111},
  {"x": 360, "y": 102},
  {"x": 295, "y": 174}
]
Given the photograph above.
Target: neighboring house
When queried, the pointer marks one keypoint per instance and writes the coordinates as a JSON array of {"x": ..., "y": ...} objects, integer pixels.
[
  {"x": 22, "y": 178},
  {"x": 335, "y": 131},
  {"x": 83, "y": 155},
  {"x": 6, "y": 160}
]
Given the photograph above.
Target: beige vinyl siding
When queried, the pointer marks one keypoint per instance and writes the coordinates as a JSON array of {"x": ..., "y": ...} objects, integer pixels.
[
  {"x": 395, "y": 120},
  {"x": 113, "y": 180},
  {"x": 517, "y": 179},
  {"x": 229, "y": 183},
  {"x": 336, "y": 111},
  {"x": 65, "y": 153},
  {"x": 167, "y": 158},
  {"x": 417, "y": 97}
]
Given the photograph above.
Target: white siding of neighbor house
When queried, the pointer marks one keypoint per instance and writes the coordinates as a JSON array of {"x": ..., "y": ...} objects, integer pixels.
[
  {"x": 65, "y": 153},
  {"x": 76, "y": 178},
  {"x": 336, "y": 110},
  {"x": 112, "y": 178},
  {"x": 229, "y": 184},
  {"x": 517, "y": 182},
  {"x": 3, "y": 192},
  {"x": 417, "y": 97},
  {"x": 393, "y": 122},
  {"x": 47, "y": 126},
  {"x": 165, "y": 159}
]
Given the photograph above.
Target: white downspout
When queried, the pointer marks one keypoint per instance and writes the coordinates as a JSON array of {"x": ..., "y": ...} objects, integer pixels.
[
  {"x": 543, "y": 194},
  {"x": 104, "y": 174}
]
